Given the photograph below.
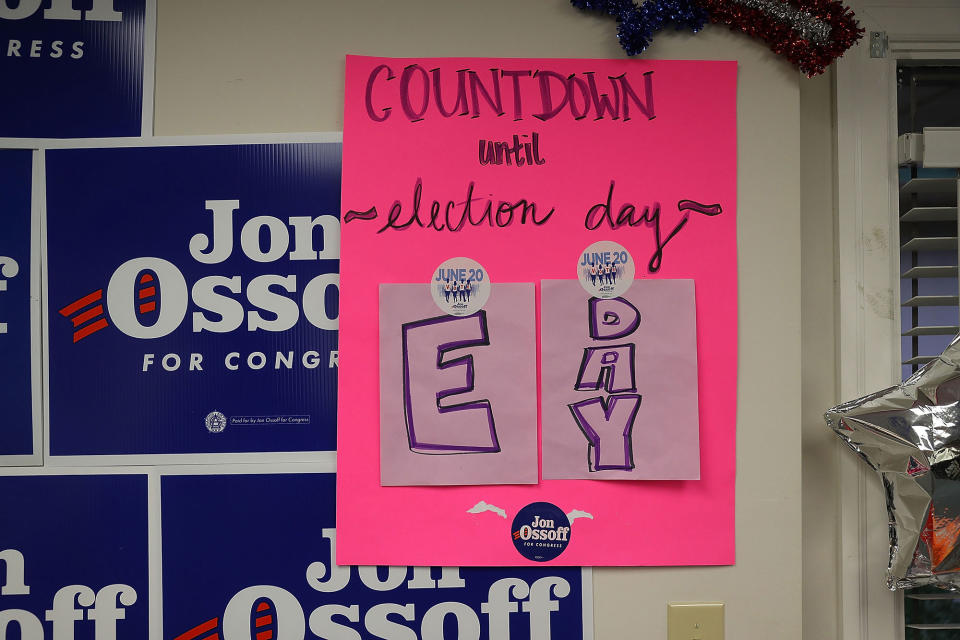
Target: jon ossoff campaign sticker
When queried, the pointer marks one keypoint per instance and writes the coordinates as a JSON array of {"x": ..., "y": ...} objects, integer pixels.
[{"x": 541, "y": 531}]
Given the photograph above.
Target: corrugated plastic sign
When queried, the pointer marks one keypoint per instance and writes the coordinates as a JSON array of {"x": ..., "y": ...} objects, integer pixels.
[
  {"x": 262, "y": 578},
  {"x": 72, "y": 68},
  {"x": 193, "y": 299}
]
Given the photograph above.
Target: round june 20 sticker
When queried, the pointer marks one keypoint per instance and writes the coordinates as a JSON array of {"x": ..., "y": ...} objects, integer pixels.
[
  {"x": 605, "y": 269},
  {"x": 460, "y": 286},
  {"x": 541, "y": 531}
]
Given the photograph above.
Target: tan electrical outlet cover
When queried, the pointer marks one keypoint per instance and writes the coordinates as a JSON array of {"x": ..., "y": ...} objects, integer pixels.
[{"x": 695, "y": 621}]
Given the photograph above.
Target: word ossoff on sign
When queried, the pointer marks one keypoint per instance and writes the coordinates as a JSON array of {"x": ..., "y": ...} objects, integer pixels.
[{"x": 137, "y": 309}]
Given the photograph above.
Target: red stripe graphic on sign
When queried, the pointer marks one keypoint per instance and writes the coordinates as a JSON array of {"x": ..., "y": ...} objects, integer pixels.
[
  {"x": 80, "y": 334},
  {"x": 90, "y": 314},
  {"x": 86, "y": 300},
  {"x": 264, "y": 621},
  {"x": 145, "y": 293},
  {"x": 199, "y": 630},
  {"x": 78, "y": 317}
]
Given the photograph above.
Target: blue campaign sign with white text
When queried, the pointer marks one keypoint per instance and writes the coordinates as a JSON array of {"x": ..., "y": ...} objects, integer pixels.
[
  {"x": 193, "y": 298},
  {"x": 16, "y": 412},
  {"x": 245, "y": 555},
  {"x": 74, "y": 557},
  {"x": 71, "y": 68}
]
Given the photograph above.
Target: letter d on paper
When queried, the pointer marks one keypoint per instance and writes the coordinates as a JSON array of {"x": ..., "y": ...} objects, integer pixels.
[
  {"x": 612, "y": 319},
  {"x": 430, "y": 378}
]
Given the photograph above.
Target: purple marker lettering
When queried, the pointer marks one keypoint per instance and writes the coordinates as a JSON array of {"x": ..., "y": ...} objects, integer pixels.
[
  {"x": 612, "y": 319},
  {"x": 608, "y": 427},
  {"x": 430, "y": 378},
  {"x": 600, "y": 368}
]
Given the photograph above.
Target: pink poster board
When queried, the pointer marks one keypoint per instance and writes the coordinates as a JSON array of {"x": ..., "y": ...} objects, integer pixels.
[
  {"x": 648, "y": 392},
  {"x": 489, "y": 434},
  {"x": 423, "y": 183}
]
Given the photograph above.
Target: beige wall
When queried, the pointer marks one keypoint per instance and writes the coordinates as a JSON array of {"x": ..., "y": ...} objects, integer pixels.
[
  {"x": 231, "y": 66},
  {"x": 821, "y": 552}
]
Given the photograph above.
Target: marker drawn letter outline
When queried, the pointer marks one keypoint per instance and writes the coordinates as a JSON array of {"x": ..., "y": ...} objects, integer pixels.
[
  {"x": 606, "y": 378},
  {"x": 443, "y": 364},
  {"x": 593, "y": 438},
  {"x": 610, "y": 318}
]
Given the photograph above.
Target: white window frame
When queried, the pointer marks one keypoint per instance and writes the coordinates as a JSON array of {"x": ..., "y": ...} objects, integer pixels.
[{"x": 868, "y": 349}]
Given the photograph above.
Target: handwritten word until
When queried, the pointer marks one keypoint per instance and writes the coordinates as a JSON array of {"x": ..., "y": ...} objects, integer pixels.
[{"x": 519, "y": 153}]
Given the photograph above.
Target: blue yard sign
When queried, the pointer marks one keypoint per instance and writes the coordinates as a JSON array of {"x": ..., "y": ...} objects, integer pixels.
[
  {"x": 74, "y": 557},
  {"x": 251, "y": 556},
  {"x": 72, "y": 68},
  {"x": 16, "y": 329},
  {"x": 193, "y": 299}
]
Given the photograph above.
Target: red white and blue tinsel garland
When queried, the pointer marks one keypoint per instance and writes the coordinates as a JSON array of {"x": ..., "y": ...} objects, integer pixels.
[{"x": 809, "y": 33}]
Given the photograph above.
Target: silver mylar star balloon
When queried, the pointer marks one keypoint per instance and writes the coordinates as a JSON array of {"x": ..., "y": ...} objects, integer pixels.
[{"x": 910, "y": 435}]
